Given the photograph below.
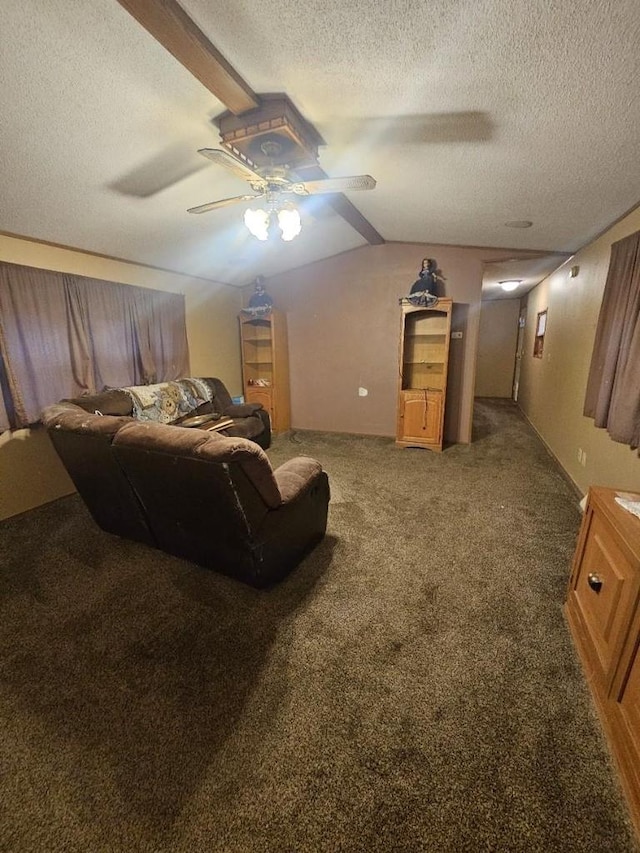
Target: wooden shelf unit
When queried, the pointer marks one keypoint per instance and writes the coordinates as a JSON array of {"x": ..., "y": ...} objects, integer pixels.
[
  {"x": 265, "y": 365},
  {"x": 424, "y": 360}
]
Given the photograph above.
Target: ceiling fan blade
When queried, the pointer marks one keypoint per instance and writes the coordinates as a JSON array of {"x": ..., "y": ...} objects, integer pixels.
[
  {"x": 343, "y": 206},
  {"x": 223, "y": 202},
  {"x": 223, "y": 158},
  {"x": 336, "y": 185}
]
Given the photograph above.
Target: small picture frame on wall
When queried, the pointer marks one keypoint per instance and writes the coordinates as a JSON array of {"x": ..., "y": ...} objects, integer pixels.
[{"x": 541, "y": 327}]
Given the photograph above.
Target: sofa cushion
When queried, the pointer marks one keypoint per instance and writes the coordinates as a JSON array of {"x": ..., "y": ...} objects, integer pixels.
[
  {"x": 245, "y": 428},
  {"x": 241, "y": 410},
  {"x": 113, "y": 401},
  {"x": 203, "y": 409},
  {"x": 219, "y": 394}
]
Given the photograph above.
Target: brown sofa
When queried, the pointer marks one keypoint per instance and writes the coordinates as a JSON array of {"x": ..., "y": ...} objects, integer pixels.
[
  {"x": 198, "y": 396},
  {"x": 209, "y": 498}
]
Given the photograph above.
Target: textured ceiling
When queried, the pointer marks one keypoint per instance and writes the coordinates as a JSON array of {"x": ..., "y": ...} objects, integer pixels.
[{"x": 469, "y": 115}]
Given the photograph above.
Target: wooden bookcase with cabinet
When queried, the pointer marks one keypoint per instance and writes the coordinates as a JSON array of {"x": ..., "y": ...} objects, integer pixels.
[
  {"x": 265, "y": 365},
  {"x": 603, "y": 613},
  {"x": 424, "y": 361}
]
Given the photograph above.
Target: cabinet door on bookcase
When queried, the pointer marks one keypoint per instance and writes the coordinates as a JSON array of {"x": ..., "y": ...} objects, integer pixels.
[
  {"x": 255, "y": 394},
  {"x": 421, "y": 417}
]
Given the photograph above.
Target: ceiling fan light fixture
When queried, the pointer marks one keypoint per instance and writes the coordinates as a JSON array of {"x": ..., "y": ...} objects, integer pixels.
[
  {"x": 289, "y": 223},
  {"x": 510, "y": 284},
  {"x": 261, "y": 222},
  {"x": 257, "y": 221}
]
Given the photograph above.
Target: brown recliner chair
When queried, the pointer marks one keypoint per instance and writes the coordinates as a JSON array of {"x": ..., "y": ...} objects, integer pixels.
[
  {"x": 250, "y": 420},
  {"x": 216, "y": 500},
  {"x": 83, "y": 443}
]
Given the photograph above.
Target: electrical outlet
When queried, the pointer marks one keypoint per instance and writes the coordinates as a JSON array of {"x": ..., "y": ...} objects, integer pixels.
[
  {"x": 580, "y": 455},
  {"x": 456, "y": 336},
  {"x": 584, "y": 458}
]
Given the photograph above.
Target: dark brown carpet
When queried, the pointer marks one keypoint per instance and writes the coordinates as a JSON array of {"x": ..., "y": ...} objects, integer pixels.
[{"x": 411, "y": 687}]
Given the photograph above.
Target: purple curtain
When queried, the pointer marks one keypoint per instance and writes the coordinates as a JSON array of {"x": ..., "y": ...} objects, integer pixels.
[
  {"x": 167, "y": 346},
  {"x": 613, "y": 387},
  {"x": 111, "y": 322},
  {"x": 62, "y": 335}
]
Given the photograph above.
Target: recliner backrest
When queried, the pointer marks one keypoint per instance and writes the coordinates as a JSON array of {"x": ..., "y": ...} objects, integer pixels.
[
  {"x": 83, "y": 443},
  {"x": 221, "y": 397},
  {"x": 111, "y": 402},
  {"x": 204, "y": 495}
]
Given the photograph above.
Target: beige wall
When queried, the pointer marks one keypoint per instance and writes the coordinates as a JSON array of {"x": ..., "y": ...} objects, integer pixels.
[
  {"x": 552, "y": 388},
  {"x": 344, "y": 322},
  {"x": 30, "y": 472},
  {"x": 497, "y": 347},
  {"x": 344, "y": 327}
]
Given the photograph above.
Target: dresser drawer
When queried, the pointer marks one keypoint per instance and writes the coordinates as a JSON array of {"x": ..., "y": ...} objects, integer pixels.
[
  {"x": 604, "y": 594},
  {"x": 622, "y": 718}
]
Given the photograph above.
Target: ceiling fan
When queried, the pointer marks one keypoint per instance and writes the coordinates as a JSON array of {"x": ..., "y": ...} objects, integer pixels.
[
  {"x": 274, "y": 181},
  {"x": 248, "y": 114}
]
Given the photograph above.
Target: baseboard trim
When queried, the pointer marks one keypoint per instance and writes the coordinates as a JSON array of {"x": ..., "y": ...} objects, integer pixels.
[{"x": 563, "y": 471}]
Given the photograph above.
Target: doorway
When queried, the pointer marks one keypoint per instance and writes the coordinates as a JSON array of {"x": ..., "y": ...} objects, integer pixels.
[{"x": 522, "y": 322}]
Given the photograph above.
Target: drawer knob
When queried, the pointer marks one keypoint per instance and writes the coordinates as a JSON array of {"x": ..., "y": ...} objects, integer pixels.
[{"x": 594, "y": 582}]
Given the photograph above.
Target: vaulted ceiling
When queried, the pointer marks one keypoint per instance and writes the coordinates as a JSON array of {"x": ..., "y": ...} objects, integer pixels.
[{"x": 470, "y": 116}]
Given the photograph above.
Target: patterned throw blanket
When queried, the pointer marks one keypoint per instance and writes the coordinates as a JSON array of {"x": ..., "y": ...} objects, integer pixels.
[{"x": 167, "y": 401}]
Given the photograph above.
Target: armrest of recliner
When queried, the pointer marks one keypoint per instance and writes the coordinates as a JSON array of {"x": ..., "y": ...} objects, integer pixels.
[
  {"x": 295, "y": 476},
  {"x": 263, "y": 414},
  {"x": 242, "y": 410}
]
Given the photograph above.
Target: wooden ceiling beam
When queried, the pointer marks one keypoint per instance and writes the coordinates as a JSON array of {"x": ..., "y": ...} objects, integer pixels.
[
  {"x": 170, "y": 25},
  {"x": 350, "y": 213}
]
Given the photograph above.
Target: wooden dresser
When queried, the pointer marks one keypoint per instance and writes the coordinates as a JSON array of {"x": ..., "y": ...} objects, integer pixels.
[{"x": 603, "y": 612}]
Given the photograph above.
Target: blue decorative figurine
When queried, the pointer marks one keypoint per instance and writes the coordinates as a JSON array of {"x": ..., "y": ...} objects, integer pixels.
[
  {"x": 260, "y": 298},
  {"x": 429, "y": 279}
]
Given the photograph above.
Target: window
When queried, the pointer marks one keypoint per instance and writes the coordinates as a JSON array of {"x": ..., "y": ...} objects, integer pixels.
[
  {"x": 541, "y": 327},
  {"x": 62, "y": 335}
]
